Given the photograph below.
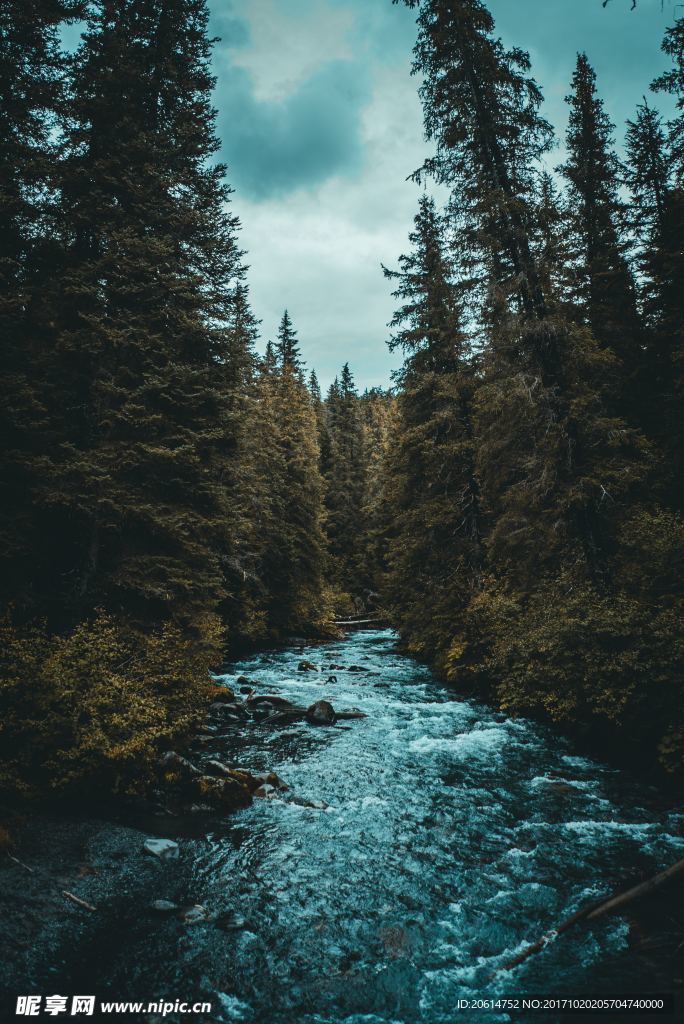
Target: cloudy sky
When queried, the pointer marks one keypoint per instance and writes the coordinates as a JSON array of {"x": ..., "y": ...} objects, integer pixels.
[{"x": 320, "y": 125}]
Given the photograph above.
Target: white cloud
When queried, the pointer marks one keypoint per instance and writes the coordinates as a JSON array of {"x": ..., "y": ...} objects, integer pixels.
[{"x": 289, "y": 41}]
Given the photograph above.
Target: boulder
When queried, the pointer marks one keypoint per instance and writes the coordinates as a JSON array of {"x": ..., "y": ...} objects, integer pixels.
[
  {"x": 229, "y": 793},
  {"x": 196, "y": 914},
  {"x": 165, "y": 849},
  {"x": 266, "y": 792},
  {"x": 222, "y": 693},
  {"x": 175, "y": 764},
  {"x": 307, "y": 666},
  {"x": 252, "y": 781},
  {"x": 357, "y": 668},
  {"x": 321, "y": 713},
  {"x": 164, "y": 907},
  {"x": 271, "y": 779}
]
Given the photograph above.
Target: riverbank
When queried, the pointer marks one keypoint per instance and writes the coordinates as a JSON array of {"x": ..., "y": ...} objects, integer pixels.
[{"x": 452, "y": 837}]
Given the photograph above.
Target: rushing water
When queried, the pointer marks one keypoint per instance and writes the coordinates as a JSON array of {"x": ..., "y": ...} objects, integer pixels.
[{"x": 453, "y": 837}]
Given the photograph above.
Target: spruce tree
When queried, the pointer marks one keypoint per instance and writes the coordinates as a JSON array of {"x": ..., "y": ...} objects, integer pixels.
[
  {"x": 142, "y": 311},
  {"x": 288, "y": 346},
  {"x": 672, "y": 82},
  {"x": 434, "y": 553},
  {"x": 31, "y": 87},
  {"x": 321, "y": 421},
  {"x": 541, "y": 463},
  {"x": 656, "y": 217},
  {"x": 292, "y": 556},
  {"x": 664, "y": 259},
  {"x": 602, "y": 285},
  {"x": 381, "y": 424},
  {"x": 558, "y": 470},
  {"x": 345, "y": 479}
]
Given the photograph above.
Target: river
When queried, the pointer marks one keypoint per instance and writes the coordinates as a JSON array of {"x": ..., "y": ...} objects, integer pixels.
[{"x": 453, "y": 837}]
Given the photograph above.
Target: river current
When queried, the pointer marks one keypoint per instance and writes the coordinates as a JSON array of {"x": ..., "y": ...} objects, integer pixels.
[{"x": 453, "y": 837}]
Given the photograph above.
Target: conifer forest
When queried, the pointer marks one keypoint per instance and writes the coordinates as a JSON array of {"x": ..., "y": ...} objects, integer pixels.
[{"x": 181, "y": 500}]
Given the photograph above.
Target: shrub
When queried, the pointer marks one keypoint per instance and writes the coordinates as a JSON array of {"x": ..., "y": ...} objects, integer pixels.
[{"x": 90, "y": 710}]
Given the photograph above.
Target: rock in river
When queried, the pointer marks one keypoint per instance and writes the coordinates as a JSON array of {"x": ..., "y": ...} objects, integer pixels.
[
  {"x": 307, "y": 666},
  {"x": 195, "y": 915},
  {"x": 321, "y": 713},
  {"x": 164, "y": 907},
  {"x": 165, "y": 849}
]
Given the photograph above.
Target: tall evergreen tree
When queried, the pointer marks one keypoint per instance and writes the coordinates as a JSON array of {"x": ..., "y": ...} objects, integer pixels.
[
  {"x": 603, "y": 288},
  {"x": 31, "y": 85},
  {"x": 288, "y": 345},
  {"x": 381, "y": 424},
  {"x": 434, "y": 557},
  {"x": 664, "y": 259},
  {"x": 672, "y": 82},
  {"x": 541, "y": 464},
  {"x": 321, "y": 421},
  {"x": 345, "y": 479},
  {"x": 656, "y": 220},
  {"x": 286, "y": 455},
  {"x": 565, "y": 548},
  {"x": 142, "y": 307}
]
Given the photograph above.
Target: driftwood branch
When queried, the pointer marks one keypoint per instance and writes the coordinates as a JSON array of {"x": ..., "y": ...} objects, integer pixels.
[
  {"x": 20, "y": 863},
  {"x": 594, "y": 911},
  {"x": 78, "y": 900}
]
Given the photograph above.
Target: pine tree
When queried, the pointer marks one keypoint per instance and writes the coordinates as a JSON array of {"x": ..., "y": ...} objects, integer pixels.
[
  {"x": 288, "y": 345},
  {"x": 142, "y": 309},
  {"x": 292, "y": 558},
  {"x": 572, "y": 621},
  {"x": 672, "y": 82},
  {"x": 663, "y": 257},
  {"x": 603, "y": 289},
  {"x": 541, "y": 463},
  {"x": 434, "y": 556},
  {"x": 137, "y": 322},
  {"x": 345, "y": 480},
  {"x": 321, "y": 421},
  {"x": 30, "y": 95},
  {"x": 380, "y": 417},
  {"x": 240, "y": 609}
]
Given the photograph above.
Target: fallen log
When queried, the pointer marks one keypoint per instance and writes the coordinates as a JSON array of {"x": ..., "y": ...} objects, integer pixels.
[
  {"x": 356, "y": 622},
  {"x": 595, "y": 911},
  {"x": 351, "y": 714},
  {"x": 623, "y": 899},
  {"x": 270, "y": 698}
]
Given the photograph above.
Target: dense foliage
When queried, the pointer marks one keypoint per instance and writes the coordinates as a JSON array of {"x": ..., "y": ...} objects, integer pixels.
[
  {"x": 161, "y": 491},
  {"x": 167, "y": 495},
  {"x": 544, "y": 462}
]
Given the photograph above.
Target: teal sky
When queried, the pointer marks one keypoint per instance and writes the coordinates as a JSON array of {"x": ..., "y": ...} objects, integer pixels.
[{"x": 320, "y": 126}]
